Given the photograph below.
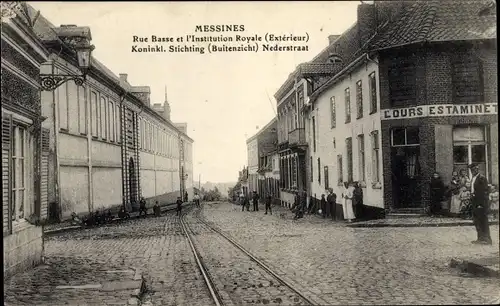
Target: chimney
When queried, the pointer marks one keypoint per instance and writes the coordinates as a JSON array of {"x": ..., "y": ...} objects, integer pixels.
[
  {"x": 123, "y": 77},
  {"x": 143, "y": 93},
  {"x": 367, "y": 22},
  {"x": 332, "y": 39}
]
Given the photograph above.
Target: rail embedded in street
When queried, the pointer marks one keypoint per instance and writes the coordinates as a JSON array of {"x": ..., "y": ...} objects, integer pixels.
[{"x": 206, "y": 275}]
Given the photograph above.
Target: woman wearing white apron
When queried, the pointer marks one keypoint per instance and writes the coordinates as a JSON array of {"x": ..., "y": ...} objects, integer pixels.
[{"x": 347, "y": 205}]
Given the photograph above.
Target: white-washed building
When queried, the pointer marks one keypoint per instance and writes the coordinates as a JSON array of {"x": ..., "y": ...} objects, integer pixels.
[{"x": 253, "y": 164}]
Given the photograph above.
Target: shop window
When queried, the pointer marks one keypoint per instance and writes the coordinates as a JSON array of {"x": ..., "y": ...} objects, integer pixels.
[
  {"x": 470, "y": 146},
  {"x": 405, "y": 136}
]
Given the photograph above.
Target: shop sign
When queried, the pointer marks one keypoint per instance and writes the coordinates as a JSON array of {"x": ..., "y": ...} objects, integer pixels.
[{"x": 440, "y": 110}]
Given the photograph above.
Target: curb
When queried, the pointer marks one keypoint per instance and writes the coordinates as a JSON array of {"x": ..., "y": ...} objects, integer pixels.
[
  {"x": 473, "y": 268},
  {"x": 115, "y": 220},
  {"x": 451, "y": 224}
]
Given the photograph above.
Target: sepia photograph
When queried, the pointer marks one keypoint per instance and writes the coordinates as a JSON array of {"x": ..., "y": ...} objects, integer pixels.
[{"x": 250, "y": 153}]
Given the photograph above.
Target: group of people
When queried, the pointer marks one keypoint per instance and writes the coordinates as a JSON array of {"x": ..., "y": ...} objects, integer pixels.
[
  {"x": 458, "y": 196},
  {"x": 352, "y": 203},
  {"x": 467, "y": 197},
  {"x": 245, "y": 202}
]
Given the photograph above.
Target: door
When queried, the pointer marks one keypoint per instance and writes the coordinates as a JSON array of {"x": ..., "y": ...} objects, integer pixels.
[{"x": 405, "y": 177}]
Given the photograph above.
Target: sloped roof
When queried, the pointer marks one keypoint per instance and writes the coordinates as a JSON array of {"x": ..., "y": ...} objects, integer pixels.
[
  {"x": 436, "y": 21},
  {"x": 345, "y": 46}
]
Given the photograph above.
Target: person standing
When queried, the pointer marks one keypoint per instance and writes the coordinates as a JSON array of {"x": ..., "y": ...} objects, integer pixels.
[
  {"x": 142, "y": 207},
  {"x": 255, "y": 200},
  {"x": 324, "y": 205},
  {"x": 186, "y": 197},
  {"x": 245, "y": 204},
  {"x": 268, "y": 204},
  {"x": 179, "y": 206},
  {"x": 437, "y": 194},
  {"x": 196, "y": 199},
  {"x": 455, "y": 201},
  {"x": 479, "y": 201},
  {"x": 357, "y": 200},
  {"x": 331, "y": 200},
  {"x": 347, "y": 207}
]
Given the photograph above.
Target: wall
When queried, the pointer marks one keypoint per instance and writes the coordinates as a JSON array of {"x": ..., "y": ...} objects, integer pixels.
[
  {"x": 253, "y": 164},
  {"x": 22, "y": 249},
  {"x": 328, "y": 150}
]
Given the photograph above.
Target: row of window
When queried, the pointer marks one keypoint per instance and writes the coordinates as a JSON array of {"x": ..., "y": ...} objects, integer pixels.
[
  {"x": 349, "y": 176},
  {"x": 372, "y": 87},
  {"x": 466, "y": 71},
  {"x": 156, "y": 140},
  {"x": 73, "y": 113}
]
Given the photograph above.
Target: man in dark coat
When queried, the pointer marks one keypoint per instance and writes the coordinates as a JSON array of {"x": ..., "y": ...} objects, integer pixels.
[
  {"x": 269, "y": 200},
  {"x": 179, "y": 206},
  {"x": 480, "y": 205},
  {"x": 331, "y": 200},
  {"x": 255, "y": 200}
]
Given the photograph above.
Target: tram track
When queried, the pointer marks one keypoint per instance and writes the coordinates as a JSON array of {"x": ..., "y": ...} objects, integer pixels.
[{"x": 244, "y": 270}]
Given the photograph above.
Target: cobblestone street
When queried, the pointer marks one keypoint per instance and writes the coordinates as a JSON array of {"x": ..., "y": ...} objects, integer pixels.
[
  {"x": 362, "y": 265},
  {"x": 329, "y": 262}
]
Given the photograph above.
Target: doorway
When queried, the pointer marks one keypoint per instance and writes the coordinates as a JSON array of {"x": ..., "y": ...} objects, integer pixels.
[{"x": 405, "y": 161}]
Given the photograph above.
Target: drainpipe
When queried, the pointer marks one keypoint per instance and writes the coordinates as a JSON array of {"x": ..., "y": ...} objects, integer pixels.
[
  {"x": 89, "y": 150},
  {"x": 122, "y": 147}
]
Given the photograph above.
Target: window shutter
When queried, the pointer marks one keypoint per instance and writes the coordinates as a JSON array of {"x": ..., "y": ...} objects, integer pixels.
[
  {"x": 7, "y": 173},
  {"x": 44, "y": 173}
]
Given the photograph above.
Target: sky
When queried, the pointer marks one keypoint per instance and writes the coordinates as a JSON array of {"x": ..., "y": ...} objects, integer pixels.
[{"x": 225, "y": 98}]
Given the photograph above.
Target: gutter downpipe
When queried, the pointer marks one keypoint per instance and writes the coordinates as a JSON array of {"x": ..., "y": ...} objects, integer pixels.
[{"x": 122, "y": 99}]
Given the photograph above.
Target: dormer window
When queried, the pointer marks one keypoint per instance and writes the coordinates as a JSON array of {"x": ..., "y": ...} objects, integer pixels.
[{"x": 334, "y": 58}]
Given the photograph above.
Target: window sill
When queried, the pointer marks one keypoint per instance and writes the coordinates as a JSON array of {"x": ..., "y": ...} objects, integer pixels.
[
  {"x": 373, "y": 112},
  {"x": 359, "y": 117},
  {"x": 347, "y": 121}
]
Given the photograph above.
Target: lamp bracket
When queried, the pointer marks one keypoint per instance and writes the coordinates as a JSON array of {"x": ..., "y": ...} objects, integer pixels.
[{"x": 50, "y": 82}]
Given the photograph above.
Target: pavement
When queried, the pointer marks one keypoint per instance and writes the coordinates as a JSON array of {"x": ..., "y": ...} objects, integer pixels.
[
  {"x": 424, "y": 221},
  {"x": 345, "y": 265},
  {"x": 328, "y": 261}
]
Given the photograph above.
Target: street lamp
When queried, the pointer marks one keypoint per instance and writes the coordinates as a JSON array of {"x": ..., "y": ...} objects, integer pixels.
[{"x": 83, "y": 49}]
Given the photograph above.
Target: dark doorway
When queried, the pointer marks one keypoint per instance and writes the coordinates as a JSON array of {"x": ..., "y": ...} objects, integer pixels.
[
  {"x": 406, "y": 191},
  {"x": 132, "y": 181}
]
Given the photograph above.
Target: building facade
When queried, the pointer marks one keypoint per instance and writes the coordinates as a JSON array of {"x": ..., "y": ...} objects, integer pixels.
[
  {"x": 439, "y": 99},
  {"x": 345, "y": 142},
  {"x": 253, "y": 164},
  {"x": 267, "y": 139},
  {"x": 108, "y": 146},
  {"x": 24, "y": 142}
]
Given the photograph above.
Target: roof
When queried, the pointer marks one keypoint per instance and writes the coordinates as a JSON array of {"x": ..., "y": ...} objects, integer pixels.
[
  {"x": 345, "y": 46},
  {"x": 439, "y": 21},
  {"x": 270, "y": 123},
  {"x": 43, "y": 29}
]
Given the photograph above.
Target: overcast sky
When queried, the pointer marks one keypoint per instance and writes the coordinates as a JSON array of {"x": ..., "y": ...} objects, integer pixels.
[{"x": 223, "y": 97}]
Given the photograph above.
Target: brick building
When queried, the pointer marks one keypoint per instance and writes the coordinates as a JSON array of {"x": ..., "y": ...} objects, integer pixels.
[{"x": 438, "y": 95}]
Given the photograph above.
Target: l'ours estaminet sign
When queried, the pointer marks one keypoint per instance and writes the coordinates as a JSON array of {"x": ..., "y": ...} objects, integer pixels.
[{"x": 440, "y": 110}]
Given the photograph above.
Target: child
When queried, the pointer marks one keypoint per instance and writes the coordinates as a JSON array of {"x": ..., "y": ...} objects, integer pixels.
[
  {"x": 455, "y": 201},
  {"x": 465, "y": 197},
  {"x": 494, "y": 201}
]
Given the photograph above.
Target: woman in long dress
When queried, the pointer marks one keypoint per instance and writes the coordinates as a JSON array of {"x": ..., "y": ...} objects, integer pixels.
[{"x": 347, "y": 205}]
